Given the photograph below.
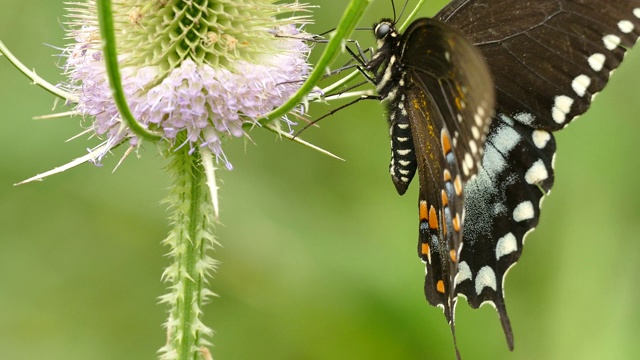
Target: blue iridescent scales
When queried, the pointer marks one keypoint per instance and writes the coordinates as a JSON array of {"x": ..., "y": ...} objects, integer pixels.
[{"x": 473, "y": 98}]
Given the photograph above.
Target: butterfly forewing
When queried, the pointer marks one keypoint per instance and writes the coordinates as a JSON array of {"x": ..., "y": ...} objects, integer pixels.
[
  {"x": 448, "y": 124},
  {"x": 437, "y": 125},
  {"x": 440, "y": 60},
  {"x": 548, "y": 57}
]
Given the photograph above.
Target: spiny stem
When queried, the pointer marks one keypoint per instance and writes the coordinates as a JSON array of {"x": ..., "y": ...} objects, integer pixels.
[{"x": 189, "y": 240}]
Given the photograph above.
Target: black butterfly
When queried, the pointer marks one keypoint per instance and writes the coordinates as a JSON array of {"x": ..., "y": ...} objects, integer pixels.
[{"x": 473, "y": 96}]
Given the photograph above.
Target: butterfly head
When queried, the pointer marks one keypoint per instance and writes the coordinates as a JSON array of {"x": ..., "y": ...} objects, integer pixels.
[
  {"x": 387, "y": 42},
  {"x": 383, "y": 30}
]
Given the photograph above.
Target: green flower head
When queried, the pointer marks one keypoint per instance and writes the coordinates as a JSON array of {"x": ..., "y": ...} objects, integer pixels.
[{"x": 198, "y": 68}]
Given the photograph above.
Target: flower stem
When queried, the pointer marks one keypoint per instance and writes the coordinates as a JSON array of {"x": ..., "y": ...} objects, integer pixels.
[
  {"x": 189, "y": 240},
  {"x": 354, "y": 11},
  {"x": 107, "y": 32}
]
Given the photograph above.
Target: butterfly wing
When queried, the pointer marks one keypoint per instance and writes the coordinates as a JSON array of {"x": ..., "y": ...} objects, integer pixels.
[
  {"x": 549, "y": 59},
  {"x": 448, "y": 123}
]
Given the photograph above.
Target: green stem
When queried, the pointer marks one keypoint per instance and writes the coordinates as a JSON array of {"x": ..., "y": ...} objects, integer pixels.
[
  {"x": 189, "y": 240},
  {"x": 411, "y": 16},
  {"x": 107, "y": 32},
  {"x": 192, "y": 282},
  {"x": 34, "y": 77},
  {"x": 350, "y": 18}
]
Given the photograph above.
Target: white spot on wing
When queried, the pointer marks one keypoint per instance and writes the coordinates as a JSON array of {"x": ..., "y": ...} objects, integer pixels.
[
  {"x": 536, "y": 173},
  {"x": 561, "y": 107},
  {"x": 478, "y": 119},
  {"x": 541, "y": 138},
  {"x": 524, "y": 211},
  {"x": 468, "y": 160},
  {"x": 493, "y": 161},
  {"x": 475, "y": 132},
  {"x": 485, "y": 278},
  {"x": 636, "y": 12},
  {"x": 611, "y": 41},
  {"x": 506, "y": 118},
  {"x": 506, "y": 245},
  {"x": 625, "y": 26},
  {"x": 580, "y": 84},
  {"x": 596, "y": 61},
  {"x": 464, "y": 273},
  {"x": 525, "y": 118},
  {"x": 465, "y": 169},
  {"x": 503, "y": 141},
  {"x": 473, "y": 147}
]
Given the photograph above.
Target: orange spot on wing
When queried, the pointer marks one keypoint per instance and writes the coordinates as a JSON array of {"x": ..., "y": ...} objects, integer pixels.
[
  {"x": 452, "y": 253},
  {"x": 423, "y": 210},
  {"x": 446, "y": 143},
  {"x": 445, "y": 199},
  {"x": 425, "y": 249},
  {"x": 457, "y": 184},
  {"x": 440, "y": 286},
  {"x": 447, "y": 175},
  {"x": 433, "y": 218},
  {"x": 456, "y": 223}
]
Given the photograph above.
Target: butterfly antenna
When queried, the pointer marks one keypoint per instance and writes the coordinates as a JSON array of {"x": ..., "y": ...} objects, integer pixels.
[
  {"x": 363, "y": 97},
  {"x": 310, "y": 38},
  {"x": 393, "y": 7},
  {"x": 326, "y": 32},
  {"x": 401, "y": 12}
]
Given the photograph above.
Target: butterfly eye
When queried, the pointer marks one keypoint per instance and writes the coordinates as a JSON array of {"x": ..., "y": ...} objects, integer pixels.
[{"x": 382, "y": 30}]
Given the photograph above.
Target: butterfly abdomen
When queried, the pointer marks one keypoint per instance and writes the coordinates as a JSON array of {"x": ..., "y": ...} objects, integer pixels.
[
  {"x": 391, "y": 88},
  {"x": 403, "y": 157}
]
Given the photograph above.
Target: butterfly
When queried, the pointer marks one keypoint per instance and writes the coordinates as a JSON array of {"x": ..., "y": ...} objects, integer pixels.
[{"x": 473, "y": 97}]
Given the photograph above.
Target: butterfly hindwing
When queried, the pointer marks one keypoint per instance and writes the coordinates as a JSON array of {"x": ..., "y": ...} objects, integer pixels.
[{"x": 502, "y": 205}]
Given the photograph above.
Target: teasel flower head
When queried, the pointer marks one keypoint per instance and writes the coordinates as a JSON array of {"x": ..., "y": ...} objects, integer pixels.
[
  {"x": 187, "y": 75},
  {"x": 196, "y": 72}
]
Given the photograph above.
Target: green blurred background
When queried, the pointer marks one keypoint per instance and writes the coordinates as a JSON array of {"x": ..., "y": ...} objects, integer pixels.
[{"x": 318, "y": 257}]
